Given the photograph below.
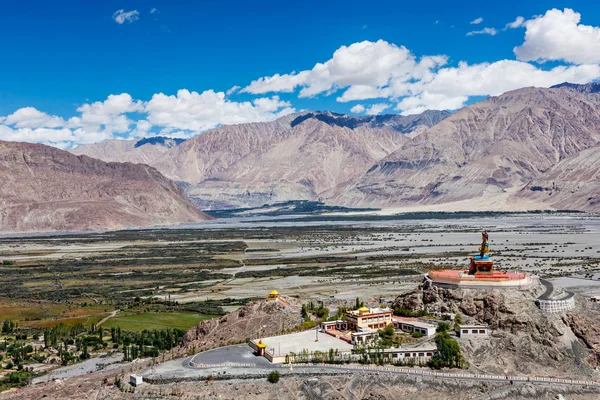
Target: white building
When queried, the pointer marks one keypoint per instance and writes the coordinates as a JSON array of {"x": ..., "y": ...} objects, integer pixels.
[
  {"x": 473, "y": 331},
  {"x": 412, "y": 325},
  {"x": 364, "y": 335},
  {"x": 135, "y": 380}
]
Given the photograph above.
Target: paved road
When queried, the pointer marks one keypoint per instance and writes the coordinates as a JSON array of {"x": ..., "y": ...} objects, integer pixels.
[
  {"x": 547, "y": 295},
  {"x": 239, "y": 360}
]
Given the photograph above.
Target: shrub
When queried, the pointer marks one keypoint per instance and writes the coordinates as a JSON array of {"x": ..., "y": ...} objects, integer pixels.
[
  {"x": 273, "y": 376},
  {"x": 417, "y": 335}
]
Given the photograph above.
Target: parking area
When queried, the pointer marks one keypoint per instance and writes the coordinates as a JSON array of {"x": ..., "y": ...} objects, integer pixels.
[{"x": 297, "y": 342}]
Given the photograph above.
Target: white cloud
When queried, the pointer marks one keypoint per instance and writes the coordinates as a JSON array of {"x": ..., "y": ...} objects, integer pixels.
[
  {"x": 195, "y": 112},
  {"x": 184, "y": 114},
  {"x": 377, "y": 108},
  {"x": 358, "y": 109},
  {"x": 154, "y": 10},
  {"x": 232, "y": 90},
  {"x": 120, "y": 16},
  {"x": 451, "y": 87},
  {"x": 382, "y": 70},
  {"x": 29, "y": 117},
  {"x": 476, "y": 21},
  {"x": 484, "y": 31},
  {"x": 517, "y": 23},
  {"x": 558, "y": 35},
  {"x": 362, "y": 67}
]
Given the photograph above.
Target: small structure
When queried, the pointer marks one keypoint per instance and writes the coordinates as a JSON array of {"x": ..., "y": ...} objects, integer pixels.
[
  {"x": 412, "y": 354},
  {"x": 473, "y": 331},
  {"x": 363, "y": 335},
  {"x": 260, "y": 348},
  {"x": 412, "y": 325},
  {"x": 273, "y": 296},
  {"x": 373, "y": 318},
  {"x": 595, "y": 299},
  {"x": 135, "y": 380}
]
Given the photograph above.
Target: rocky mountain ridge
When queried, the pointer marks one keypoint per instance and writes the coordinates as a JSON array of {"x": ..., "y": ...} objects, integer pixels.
[
  {"x": 297, "y": 157},
  {"x": 47, "y": 189},
  {"x": 489, "y": 148},
  {"x": 143, "y": 151}
]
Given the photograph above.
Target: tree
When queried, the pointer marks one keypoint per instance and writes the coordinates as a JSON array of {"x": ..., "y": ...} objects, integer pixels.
[
  {"x": 447, "y": 353},
  {"x": 386, "y": 336},
  {"x": 273, "y": 376},
  {"x": 457, "y": 321},
  {"x": 443, "y": 327}
]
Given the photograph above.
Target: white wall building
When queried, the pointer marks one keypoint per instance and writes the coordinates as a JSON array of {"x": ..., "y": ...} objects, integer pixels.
[{"x": 473, "y": 331}]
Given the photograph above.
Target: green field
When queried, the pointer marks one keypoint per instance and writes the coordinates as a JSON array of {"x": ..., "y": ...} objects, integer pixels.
[{"x": 156, "y": 320}]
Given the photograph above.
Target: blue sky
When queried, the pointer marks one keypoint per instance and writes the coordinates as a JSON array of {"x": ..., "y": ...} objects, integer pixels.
[{"x": 59, "y": 56}]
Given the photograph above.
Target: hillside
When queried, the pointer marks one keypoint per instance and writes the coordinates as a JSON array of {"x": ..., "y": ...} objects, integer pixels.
[
  {"x": 143, "y": 151},
  {"x": 297, "y": 157},
  {"x": 47, "y": 189},
  {"x": 573, "y": 183},
  {"x": 483, "y": 150}
]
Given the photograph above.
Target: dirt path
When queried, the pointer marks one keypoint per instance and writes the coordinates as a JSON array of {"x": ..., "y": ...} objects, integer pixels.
[{"x": 103, "y": 320}]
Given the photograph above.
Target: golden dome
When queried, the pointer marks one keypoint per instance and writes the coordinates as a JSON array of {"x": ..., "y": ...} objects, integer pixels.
[
  {"x": 363, "y": 309},
  {"x": 274, "y": 293}
]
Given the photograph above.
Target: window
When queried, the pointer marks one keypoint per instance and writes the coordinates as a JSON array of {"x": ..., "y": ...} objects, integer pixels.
[
  {"x": 421, "y": 354},
  {"x": 473, "y": 330},
  {"x": 429, "y": 354},
  {"x": 482, "y": 331},
  {"x": 465, "y": 331}
]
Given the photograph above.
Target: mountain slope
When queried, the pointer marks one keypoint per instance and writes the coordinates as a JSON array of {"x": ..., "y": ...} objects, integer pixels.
[
  {"x": 573, "y": 183},
  {"x": 47, "y": 189},
  {"x": 482, "y": 150},
  {"x": 144, "y": 151},
  {"x": 297, "y": 157}
]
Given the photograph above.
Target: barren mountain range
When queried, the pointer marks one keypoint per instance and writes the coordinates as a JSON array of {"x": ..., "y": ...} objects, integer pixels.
[
  {"x": 499, "y": 145},
  {"x": 47, "y": 189},
  {"x": 530, "y": 145},
  {"x": 298, "y": 157}
]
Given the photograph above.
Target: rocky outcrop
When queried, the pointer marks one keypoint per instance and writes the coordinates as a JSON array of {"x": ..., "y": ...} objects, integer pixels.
[
  {"x": 257, "y": 319},
  {"x": 47, "y": 189},
  {"x": 523, "y": 340},
  {"x": 588, "y": 330}
]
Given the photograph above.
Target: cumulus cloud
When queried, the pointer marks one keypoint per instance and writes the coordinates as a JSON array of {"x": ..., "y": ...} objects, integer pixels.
[
  {"x": 195, "y": 112},
  {"x": 484, "y": 31},
  {"x": 558, "y": 35},
  {"x": 360, "y": 66},
  {"x": 451, "y": 87},
  {"x": 29, "y": 117},
  {"x": 476, "y": 21},
  {"x": 121, "y": 16},
  {"x": 358, "y": 109},
  {"x": 154, "y": 10},
  {"x": 377, "y": 108},
  {"x": 182, "y": 115},
  {"x": 517, "y": 23},
  {"x": 382, "y": 70}
]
